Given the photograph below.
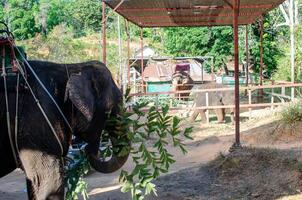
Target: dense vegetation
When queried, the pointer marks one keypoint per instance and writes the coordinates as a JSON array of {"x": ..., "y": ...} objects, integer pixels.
[{"x": 61, "y": 30}]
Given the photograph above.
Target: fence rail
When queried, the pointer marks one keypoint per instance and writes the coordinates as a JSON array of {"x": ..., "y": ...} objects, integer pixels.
[
  {"x": 282, "y": 97},
  {"x": 292, "y": 85}
]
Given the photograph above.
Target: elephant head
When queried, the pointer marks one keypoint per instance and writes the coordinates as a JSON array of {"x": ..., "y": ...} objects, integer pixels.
[
  {"x": 182, "y": 81},
  {"x": 94, "y": 94}
]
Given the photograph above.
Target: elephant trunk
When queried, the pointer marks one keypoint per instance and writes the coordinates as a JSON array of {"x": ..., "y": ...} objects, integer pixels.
[
  {"x": 120, "y": 151},
  {"x": 106, "y": 167}
]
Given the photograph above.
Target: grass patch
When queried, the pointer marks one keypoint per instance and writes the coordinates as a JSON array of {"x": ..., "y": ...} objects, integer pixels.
[{"x": 292, "y": 113}]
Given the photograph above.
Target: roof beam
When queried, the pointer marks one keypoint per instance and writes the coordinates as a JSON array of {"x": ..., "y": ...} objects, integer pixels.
[
  {"x": 196, "y": 23},
  {"x": 242, "y": 14},
  {"x": 261, "y": 6},
  {"x": 229, "y": 3}
]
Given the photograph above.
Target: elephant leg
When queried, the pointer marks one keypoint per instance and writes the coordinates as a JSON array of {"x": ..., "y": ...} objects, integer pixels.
[
  {"x": 203, "y": 115},
  {"x": 44, "y": 175},
  {"x": 233, "y": 116},
  {"x": 195, "y": 115},
  {"x": 220, "y": 113}
]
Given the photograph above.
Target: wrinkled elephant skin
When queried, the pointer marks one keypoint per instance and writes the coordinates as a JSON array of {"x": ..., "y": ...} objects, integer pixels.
[
  {"x": 85, "y": 93},
  {"x": 217, "y": 98}
]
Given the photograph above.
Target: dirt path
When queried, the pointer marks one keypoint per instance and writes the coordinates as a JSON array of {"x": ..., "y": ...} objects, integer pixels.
[
  {"x": 13, "y": 187},
  {"x": 190, "y": 177}
]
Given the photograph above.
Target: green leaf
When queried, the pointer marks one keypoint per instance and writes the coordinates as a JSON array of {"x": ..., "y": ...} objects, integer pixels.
[{"x": 127, "y": 187}]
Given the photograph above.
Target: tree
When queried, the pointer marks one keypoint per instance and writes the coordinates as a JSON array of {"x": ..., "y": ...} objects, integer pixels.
[
  {"x": 21, "y": 16},
  {"x": 84, "y": 15},
  {"x": 216, "y": 42},
  {"x": 57, "y": 13}
]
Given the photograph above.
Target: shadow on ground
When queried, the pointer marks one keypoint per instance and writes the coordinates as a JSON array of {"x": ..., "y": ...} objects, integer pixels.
[{"x": 249, "y": 173}]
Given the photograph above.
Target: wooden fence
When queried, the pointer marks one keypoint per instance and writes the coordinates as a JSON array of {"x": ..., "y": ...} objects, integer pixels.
[{"x": 276, "y": 92}]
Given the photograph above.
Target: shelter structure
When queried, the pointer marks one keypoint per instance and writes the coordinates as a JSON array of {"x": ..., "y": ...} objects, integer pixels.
[{"x": 179, "y": 13}]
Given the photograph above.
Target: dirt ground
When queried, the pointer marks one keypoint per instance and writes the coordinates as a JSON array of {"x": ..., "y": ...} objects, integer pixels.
[{"x": 267, "y": 168}]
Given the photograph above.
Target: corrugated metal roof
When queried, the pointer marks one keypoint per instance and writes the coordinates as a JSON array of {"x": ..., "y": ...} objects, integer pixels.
[
  {"x": 165, "y": 13},
  {"x": 158, "y": 71}
]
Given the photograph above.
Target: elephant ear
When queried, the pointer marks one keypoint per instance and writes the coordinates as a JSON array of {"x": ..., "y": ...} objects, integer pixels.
[{"x": 80, "y": 91}]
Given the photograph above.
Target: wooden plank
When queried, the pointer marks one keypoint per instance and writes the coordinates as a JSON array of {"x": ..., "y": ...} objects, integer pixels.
[
  {"x": 261, "y": 105},
  {"x": 219, "y": 89}
]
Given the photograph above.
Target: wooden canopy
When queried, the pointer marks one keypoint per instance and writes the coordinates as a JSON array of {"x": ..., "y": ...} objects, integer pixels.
[
  {"x": 177, "y": 13},
  {"x": 169, "y": 13}
]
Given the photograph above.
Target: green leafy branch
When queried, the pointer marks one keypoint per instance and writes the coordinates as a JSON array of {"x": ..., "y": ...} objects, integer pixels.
[
  {"x": 151, "y": 160},
  {"x": 150, "y": 133},
  {"x": 75, "y": 183}
]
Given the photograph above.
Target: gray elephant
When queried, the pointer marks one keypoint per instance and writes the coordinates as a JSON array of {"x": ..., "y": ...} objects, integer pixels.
[
  {"x": 216, "y": 98},
  {"x": 86, "y": 94},
  {"x": 182, "y": 82}
]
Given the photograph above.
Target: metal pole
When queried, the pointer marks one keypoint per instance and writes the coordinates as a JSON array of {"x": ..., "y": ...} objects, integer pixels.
[
  {"x": 250, "y": 103},
  {"x": 261, "y": 52},
  {"x": 120, "y": 51},
  {"x": 128, "y": 49},
  {"x": 236, "y": 58},
  {"x": 207, "y": 105},
  {"x": 104, "y": 31},
  {"x": 292, "y": 45},
  {"x": 142, "y": 59},
  {"x": 247, "y": 54}
]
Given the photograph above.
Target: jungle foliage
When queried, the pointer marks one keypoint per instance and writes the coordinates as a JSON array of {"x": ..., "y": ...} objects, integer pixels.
[{"x": 42, "y": 19}]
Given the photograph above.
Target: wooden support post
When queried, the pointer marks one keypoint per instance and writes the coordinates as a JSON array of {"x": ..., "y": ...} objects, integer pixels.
[
  {"x": 236, "y": 58},
  {"x": 104, "y": 32},
  {"x": 142, "y": 59},
  {"x": 207, "y": 105},
  {"x": 250, "y": 103},
  {"x": 283, "y": 94},
  {"x": 134, "y": 85}
]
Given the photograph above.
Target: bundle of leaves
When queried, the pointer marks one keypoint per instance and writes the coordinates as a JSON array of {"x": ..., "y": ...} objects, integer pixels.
[{"x": 150, "y": 159}]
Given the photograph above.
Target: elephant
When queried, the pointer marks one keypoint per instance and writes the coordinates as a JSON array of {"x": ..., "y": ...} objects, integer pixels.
[
  {"x": 87, "y": 96},
  {"x": 182, "y": 81},
  {"x": 216, "y": 98}
]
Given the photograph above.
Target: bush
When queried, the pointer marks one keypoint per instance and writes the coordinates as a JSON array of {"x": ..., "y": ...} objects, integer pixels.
[{"x": 292, "y": 113}]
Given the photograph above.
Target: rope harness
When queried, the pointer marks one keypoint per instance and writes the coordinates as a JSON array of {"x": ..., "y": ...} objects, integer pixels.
[{"x": 18, "y": 69}]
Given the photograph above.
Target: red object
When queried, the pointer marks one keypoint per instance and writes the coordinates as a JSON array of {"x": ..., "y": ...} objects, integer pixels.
[
  {"x": 8, "y": 42},
  {"x": 184, "y": 67},
  {"x": 236, "y": 58}
]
